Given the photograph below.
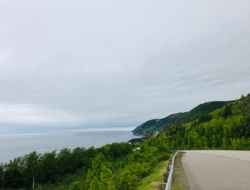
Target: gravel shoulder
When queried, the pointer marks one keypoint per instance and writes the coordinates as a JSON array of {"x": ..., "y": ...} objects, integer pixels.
[{"x": 179, "y": 180}]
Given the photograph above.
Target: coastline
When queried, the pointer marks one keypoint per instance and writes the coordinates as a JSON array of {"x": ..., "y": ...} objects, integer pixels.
[{"x": 13, "y": 146}]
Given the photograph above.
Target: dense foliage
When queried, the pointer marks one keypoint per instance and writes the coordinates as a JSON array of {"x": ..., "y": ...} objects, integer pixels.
[
  {"x": 116, "y": 166},
  {"x": 150, "y": 127},
  {"x": 195, "y": 113},
  {"x": 137, "y": 140},
  {"x": 225, "y": 128},
  {"x": 52, "y": 167}
]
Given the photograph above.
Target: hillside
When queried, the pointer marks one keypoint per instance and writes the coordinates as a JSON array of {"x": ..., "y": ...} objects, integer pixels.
[
  {"x": 227, "y": 128},
  {"x": 150, "y": 127},
  {"x": 195, "y": 113}
]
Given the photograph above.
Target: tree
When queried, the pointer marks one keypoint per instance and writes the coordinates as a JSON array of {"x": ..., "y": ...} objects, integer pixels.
[
  {"x": 49, "y": 166},
  {"x": 100, "y": 175},
  {"x": 13, "y": 175},
  {"x": 225, "y": 143},
  {"x": 227, "y": 111},
  {"x": 128, "y": 180},
  {"x": 77, "y": 186},
  {"x": 213, "y": 141},
  {"x": 32, "y": 167},
  {"x": 65, "y": 161},
  {"x": 1, "y": 175}
]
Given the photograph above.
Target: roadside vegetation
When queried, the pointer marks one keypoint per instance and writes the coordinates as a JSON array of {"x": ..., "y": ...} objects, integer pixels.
[
  {"x": 179, "y": 180},
  {"x": 150, "y": 182},
  {"x": 115, "y": 166}
]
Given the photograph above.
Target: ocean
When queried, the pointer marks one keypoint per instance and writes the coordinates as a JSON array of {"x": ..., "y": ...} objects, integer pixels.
[{"x": 15, "y": 145}]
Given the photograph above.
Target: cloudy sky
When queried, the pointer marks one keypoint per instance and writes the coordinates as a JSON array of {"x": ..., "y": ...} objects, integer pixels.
[{"x": 70, "y": 65}]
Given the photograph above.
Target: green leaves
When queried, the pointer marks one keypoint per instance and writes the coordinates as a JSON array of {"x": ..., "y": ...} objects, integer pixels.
[
  {"x": 128, "y": 180},
  {"x": 100, "y": 176},
  {"x": 1, "y": 175},
  {"x": 32, "y": 168},
  {"x": 13, "y": 174}
]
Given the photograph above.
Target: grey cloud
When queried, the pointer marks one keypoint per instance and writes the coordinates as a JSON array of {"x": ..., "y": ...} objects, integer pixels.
[{"x": 86, "y": 64}]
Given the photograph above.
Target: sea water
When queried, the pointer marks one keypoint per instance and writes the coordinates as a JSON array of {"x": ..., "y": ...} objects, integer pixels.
[{"x": 15, "y": 145}]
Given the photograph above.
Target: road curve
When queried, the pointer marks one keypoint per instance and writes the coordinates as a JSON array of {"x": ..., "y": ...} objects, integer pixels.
[{"x": 217, "y": 170}]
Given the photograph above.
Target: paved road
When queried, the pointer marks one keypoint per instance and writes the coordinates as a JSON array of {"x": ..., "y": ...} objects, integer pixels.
[{"x": 212, "y": 170}]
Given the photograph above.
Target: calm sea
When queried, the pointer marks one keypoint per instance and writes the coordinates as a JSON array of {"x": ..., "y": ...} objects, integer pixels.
[{"x": 15, "y": 145}]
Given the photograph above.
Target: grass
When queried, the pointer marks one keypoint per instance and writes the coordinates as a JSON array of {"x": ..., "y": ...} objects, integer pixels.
[
  {"x": 150, "y": 182},
  {"x": 179, "y": 180}
]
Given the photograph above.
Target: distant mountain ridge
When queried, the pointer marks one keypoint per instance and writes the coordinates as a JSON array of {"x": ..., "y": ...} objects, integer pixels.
[
  {"x": 153, "y": 125},
  {"x": 148, "y": 128}
]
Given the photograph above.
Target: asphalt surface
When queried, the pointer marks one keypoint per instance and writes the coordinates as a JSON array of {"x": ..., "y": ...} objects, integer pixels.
[{"x": 217, "y": 170}]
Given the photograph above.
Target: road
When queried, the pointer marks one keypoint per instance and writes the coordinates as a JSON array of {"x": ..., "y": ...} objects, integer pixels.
[{"x": 212, "y": 170}]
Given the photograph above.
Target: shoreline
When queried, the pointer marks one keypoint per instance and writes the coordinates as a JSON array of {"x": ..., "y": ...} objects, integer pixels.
[{"x": 14, "y": 146}]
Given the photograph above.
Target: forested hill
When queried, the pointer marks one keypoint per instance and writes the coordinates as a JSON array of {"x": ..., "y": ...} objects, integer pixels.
[
  {"x": 225, "y": 128},
  {"x": 150, "y": 127},
  {"x": 198, "y": 111}
]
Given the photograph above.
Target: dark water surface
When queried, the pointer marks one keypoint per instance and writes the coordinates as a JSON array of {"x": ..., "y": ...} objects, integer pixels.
[{"x": 15, "y": 145}]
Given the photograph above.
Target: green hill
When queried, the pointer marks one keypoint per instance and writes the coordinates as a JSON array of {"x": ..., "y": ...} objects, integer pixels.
[
  {"x": 150, "y": 127},
  {"x": 195, "y": 113},
  {"x": 227, "y": 128}
]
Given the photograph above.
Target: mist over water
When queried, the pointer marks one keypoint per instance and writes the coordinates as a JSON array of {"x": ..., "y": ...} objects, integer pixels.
[{"x": 15, "y": 145}]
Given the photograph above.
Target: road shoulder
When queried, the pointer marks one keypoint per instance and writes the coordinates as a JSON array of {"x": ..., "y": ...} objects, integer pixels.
[{"x": 179, "y": 180}]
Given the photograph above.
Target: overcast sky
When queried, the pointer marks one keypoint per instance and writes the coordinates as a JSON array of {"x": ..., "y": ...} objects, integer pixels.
[{"x": 70, "y": 65}]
